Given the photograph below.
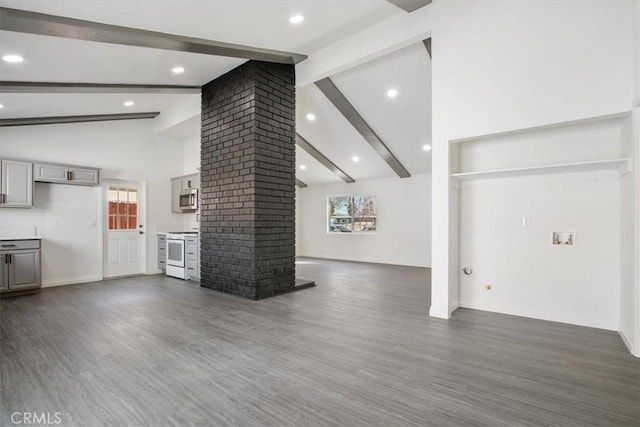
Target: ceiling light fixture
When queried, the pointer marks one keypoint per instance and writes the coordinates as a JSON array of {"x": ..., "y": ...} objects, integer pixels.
[
  {"x": 392, "y": 93},
  {"x": 129, "y": 103},
  {"x": 355, "y": 159},
  {"x": 296, "y": 19},
  {"x": 12, "y": 58},
  {"x": 177, "y": 70},
  {"x": 311, "y": 117},
  {"x": 1, "y": 106},
  {"x": 303, "y": 167},
  {"x": 426, "y": 147}
]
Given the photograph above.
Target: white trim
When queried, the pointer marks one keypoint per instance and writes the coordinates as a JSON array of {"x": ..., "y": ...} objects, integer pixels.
[
  {"x": 142, "y": 214},
  {"x": 396, "y": 32},
  {"x": 453, "y": 306},
  {"x": 439, "y": 312},
  {"x": 63, "y": 281},
  {"x": 588, "y": 321},
  {"x": 621, "y": 166},
  {"x": 593, "y": 176},
  {"x": 613, "y": 116},
  {"x": 355, "y": 258},
  {"x": 101, "y": 229},
  {"x": 628, "y": 343}
]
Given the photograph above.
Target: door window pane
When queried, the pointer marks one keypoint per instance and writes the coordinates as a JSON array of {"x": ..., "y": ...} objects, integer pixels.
[{"x": 122, "y": 208}]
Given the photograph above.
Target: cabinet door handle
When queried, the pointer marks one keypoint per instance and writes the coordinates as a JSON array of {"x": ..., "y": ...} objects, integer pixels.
[
  {"x": 8, "y": 246},
  {"x": 10, "y": 258}
]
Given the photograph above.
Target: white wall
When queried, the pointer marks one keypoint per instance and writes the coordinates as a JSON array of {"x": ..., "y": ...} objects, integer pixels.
[
  {"x": 191, "y": 155},
  {"x": 403, "y": 236},
  {"x": 529, "y": 276},
  {"x": 191, "y": 164},
  {"x": 501, "y": 66},
  {"x": 125, "y": 150}
]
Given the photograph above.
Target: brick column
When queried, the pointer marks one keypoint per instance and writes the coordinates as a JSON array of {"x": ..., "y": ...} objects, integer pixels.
[{"x": 248, "y": 181}]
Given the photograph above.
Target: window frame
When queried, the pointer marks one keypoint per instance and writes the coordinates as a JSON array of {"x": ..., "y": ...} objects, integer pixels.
[{"x": 352, "y": 217}]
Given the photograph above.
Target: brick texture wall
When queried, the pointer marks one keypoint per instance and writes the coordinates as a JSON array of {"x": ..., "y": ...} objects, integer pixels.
[{"x": 248, "y": 181}]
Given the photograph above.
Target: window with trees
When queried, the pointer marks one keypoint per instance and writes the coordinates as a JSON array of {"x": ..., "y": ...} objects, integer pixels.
[{"x": 352, "y": 214}]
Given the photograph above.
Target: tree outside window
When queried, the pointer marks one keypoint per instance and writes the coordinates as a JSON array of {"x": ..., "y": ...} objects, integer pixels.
[{"x": 352, "y": 214}]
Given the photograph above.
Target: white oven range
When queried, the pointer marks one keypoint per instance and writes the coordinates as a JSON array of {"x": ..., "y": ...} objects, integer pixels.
[{"x": 176, "y": 254}]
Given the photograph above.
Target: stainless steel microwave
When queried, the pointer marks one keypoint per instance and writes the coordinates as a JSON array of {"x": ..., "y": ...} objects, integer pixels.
[{"x": 189, "y": 200}]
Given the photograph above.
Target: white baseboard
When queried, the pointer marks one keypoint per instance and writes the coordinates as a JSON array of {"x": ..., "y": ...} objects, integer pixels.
[
  {"x": 71, "y": 280},
  {"x": 454, "y": 306},
  {"x": 359, "y": 259},
  {"x": 439, "y": 312},
  {"x": 628, "y": 343},
  {"x": 588, "y": 321}
]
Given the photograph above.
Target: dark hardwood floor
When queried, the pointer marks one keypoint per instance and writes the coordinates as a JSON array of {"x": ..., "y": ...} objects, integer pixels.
[{"x": 357, "y": 350}]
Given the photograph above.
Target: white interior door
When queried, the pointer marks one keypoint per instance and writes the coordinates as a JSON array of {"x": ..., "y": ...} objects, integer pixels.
[{"x": 124, "y": 230}]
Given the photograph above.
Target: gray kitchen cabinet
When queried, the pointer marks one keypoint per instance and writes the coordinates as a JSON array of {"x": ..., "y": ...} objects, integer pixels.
[
  {"x": 191, "y": 181},
  {"x": 4, "y": 274},
  {"x": 19, "y": 265},
  {"x": 179, "y": 184},
  {"x": 16, "y": 184},
  {"x": 162, "y": 252},
  {"x": 66, "y": 174},
  {"x": 176, "y": 188},
  {"x": 192, "y": 258}
]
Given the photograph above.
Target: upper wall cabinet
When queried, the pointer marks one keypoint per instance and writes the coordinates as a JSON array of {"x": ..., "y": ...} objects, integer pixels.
[
  {"x": 190, "y": 181},
  {"x": 180, "y": 184},
  {"x": 64, "y": 174},
  {"x": 16, "y": 184}
]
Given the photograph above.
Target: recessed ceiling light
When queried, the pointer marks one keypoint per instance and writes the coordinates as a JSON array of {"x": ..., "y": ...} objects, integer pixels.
[
  {"x": 1, "y": 106},
  {"x": 303, "y": 167},
  {"x": 392, "y": 93},
  {"x": 355, "y": 158},
  {"x": 12, "y": 58},
  {"x": 311, "y": 117},
  {"x": 426, "y": 147},
  {"x": 129, "y": 103},
  {"x": 296, "y": 19},
  {"x": 177, "y": 70}
]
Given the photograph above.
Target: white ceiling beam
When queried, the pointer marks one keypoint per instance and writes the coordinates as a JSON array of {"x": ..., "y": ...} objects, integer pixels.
[{"x": 398, "y": 31}]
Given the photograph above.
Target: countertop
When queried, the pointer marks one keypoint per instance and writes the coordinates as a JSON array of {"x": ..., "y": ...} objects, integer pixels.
[
  {"x": 192, "y": 232},
  {"x": 19, "y": 237}
]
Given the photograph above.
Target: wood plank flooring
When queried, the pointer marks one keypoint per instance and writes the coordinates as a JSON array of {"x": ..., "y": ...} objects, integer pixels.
[{"x": 357, "y": 350}]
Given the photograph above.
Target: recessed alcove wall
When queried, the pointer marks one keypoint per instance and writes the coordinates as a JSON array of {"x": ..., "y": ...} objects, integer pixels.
[{"x": 506, "y": 220}]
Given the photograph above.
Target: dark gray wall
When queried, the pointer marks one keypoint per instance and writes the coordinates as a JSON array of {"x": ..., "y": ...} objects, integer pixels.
[{"x": 248, "y": 181}]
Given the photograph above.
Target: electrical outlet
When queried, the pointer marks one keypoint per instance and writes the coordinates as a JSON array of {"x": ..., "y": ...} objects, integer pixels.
[{"x": 487, "y": 287}]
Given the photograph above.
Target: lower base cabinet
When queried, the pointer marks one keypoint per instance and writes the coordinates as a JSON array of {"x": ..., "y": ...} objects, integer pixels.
[
  {"x": 192, "y": 258},
  {"x": 162, "y": 252},
  {"x": 19, "y": 265}
]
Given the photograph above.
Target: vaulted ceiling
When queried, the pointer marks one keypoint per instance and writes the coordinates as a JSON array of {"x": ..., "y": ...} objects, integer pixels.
[{"x": 403, "y": 123}]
